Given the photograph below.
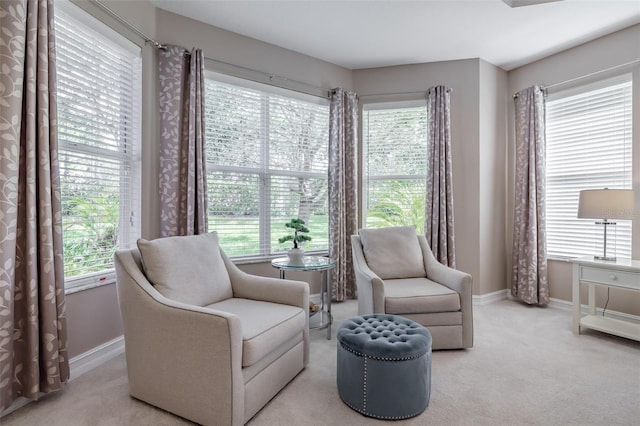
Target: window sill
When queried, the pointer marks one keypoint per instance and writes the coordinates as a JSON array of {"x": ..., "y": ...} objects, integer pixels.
[
  {"x": 267, "y": 259},
  {"x": 89, "y": 286},
  {"x": 87, "y": 283},
  {"x": 559, "y": 258}
]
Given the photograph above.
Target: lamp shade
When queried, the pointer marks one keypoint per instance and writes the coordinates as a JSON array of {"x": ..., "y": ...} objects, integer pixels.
[{"x": 606, "y": 204}]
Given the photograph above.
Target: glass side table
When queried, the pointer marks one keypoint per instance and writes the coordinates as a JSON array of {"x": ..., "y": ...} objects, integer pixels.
[{"x": 322, "y": 265}]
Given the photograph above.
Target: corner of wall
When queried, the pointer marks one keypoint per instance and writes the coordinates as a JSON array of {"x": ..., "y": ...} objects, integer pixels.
[{"x": 493, "y": 86}]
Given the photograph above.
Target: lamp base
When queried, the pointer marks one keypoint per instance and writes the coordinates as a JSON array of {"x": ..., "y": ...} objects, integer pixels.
[{"x": 605, "y": 258}]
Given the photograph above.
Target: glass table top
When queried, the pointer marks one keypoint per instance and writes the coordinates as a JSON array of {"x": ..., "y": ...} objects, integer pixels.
[{"x": 309, "y": 263}]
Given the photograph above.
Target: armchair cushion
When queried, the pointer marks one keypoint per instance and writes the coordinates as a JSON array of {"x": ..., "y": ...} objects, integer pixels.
[
  {"x": 265, "y": 325},
  {"x": 419, "y": 295},
  {"x": 393, "y": 252},
  {"x": 188, "y": 269}
]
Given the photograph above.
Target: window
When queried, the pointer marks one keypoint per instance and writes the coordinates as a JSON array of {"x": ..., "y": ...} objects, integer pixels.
[
  {"x": 588, "y": 147},
  {"x": 395, "y": 165},
  {"x": 98, "y": 95},
  {"x": 267, "y": 162}
]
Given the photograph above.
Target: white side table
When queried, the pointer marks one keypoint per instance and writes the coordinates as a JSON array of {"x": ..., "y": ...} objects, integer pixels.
[{"x": 623, "y": 273}]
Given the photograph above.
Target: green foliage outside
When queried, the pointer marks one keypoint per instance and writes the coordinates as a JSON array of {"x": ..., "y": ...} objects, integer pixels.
[
  {"x": 245, "y": 239},
  {"x": 396, "y": 203},
  {"x": 90, "y": 230},
  {"x": 91, "y": 227},
  {"x": 90, "y": 240}
]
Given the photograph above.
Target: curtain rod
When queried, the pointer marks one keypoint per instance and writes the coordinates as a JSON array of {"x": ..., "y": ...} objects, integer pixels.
[
  {"x": 417, "y": 92},
  {"x": 273, "y": 77},
  {"x": 593, "y": 73},
  {"x": 120, "y": 19},
  {"x": 545, "y": 88}
]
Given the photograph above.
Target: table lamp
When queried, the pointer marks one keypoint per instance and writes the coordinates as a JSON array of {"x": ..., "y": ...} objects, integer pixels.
[{"x": 606, "y": 204}]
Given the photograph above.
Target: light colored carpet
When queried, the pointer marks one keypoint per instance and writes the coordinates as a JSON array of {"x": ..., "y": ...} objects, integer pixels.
[{"x": 526, "y": 368}]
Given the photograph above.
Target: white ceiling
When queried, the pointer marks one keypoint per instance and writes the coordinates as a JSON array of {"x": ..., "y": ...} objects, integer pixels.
[{"x": 373, "y": 33}]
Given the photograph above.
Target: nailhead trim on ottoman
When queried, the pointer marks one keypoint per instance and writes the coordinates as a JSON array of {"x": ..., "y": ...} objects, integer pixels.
[{"x": 384, "y": 366}]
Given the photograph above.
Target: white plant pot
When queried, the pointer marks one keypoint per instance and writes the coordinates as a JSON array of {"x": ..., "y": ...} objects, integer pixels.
[{"x": 296, "y": 256}]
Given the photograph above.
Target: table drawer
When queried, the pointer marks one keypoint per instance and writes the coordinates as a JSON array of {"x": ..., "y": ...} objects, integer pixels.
[{"x": 610, "y": 277}]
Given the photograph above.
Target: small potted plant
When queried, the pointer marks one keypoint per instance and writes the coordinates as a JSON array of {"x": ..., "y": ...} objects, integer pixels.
[{"x": 299, "y": 230}]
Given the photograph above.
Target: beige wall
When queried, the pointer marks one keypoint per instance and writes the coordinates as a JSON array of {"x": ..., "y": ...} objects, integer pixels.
[
  {"x": 610, "y": 51},
  {"x": 93, "y": 318},
  {"x": 492, "y": 178}
]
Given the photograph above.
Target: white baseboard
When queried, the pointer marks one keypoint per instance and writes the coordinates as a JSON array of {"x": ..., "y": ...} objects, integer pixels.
[
  {"x": 484, "y": 299},
  {"x": 87, "y": 361},
  {"x": 566, "y": 305}
]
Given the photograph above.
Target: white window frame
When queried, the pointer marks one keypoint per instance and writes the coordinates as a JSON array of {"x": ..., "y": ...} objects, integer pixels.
[
  {"x": 366, "y": 178},
  {"x": 589, "y": 225},
  {"x": 129, "y": 206},
  {"x": 263, "y": 171}
]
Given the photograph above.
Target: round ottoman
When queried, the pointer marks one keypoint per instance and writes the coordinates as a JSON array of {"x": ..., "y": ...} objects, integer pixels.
[{"x": 384, "y": 366}]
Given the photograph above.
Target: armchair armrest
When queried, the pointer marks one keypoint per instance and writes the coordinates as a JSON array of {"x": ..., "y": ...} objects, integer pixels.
[
  {"x": 370, "y": 286},
  {"x": 267, "y": 289},
  {"x": 456, "y": 280},
  {"x": 202, "y": 340}
]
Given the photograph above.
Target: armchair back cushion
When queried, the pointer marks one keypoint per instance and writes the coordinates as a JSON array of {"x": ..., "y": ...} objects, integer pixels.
[
  {"x": 393, "y": 252},
  {"x": 188, "y": 269}
]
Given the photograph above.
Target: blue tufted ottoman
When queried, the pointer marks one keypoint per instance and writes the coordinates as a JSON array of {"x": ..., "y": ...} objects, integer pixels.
[{"x": 384, "y": 366}]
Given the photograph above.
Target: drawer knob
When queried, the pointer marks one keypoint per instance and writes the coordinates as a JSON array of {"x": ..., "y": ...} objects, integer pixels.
[{"x": 612, "y": 277}]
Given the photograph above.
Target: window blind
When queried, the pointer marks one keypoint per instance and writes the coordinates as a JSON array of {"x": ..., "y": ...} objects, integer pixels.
[
  {"x": 588, "y": 147},
  {"x": 395, "y": 166},
  {"x": 98, "y": 101},
  {"x": 267, "y": 162}
]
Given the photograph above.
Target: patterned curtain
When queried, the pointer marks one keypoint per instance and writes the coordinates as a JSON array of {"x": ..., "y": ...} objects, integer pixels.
[
  {"x": 183, "y": 190},
  {"x": 438, "y": 225},
  {"x": 529, "y": 235},
  {"x": 343, "y": 190},
  {"x": 33, "y": 331}
]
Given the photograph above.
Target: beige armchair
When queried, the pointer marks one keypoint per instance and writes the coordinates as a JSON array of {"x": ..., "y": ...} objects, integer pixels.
[
  {"x": 396, "y": 273},
  {"x": 203, "y": 339}
]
